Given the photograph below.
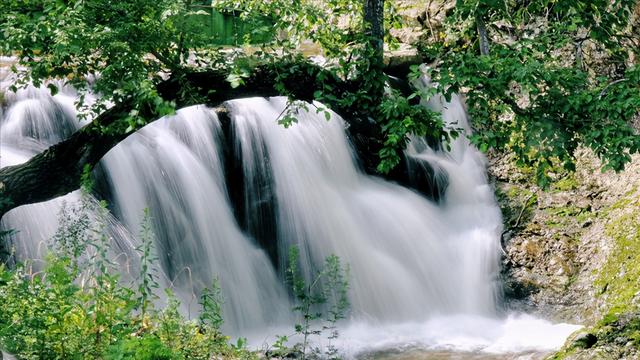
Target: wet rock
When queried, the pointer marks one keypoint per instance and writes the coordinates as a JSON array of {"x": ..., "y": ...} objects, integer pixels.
[
  {"x": 559, "y": 246},
  {"x": 584, "y": 340},
  {"x": 519, "y": 289}
]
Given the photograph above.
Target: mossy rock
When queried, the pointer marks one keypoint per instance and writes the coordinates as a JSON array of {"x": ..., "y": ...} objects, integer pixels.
[
  {"x": 584, "y": 340},
  {"x": 566, "y": 183}
]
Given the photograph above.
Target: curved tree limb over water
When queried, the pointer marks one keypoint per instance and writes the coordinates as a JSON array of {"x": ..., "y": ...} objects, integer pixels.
[{"x": 58, "y": 170}]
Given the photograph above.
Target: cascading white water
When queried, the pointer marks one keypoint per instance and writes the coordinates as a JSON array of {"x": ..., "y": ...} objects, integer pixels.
[
  {"x": 173, "y": 167},
  {"x": 413, "y": 262},
  {"x": 409, "y": 257},
  {"x": 34, "y": 121}
]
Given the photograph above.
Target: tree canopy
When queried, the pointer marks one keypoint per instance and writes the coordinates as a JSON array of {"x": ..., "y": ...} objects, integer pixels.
[{"x": 553, "y": 75}]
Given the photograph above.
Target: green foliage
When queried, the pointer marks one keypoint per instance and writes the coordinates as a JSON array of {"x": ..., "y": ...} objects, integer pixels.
[
  {"x": 121, "y": 45},
  {"x": 145, "y": 347},
  {"x": 566, "y": 183},
  {"x": 211, "y": 301},
  {"x": 558, "y": 74},
  {"x": 76, "y": 306},
  {"x": 323, "y": 298},
  {"x": 399, "y": 118},
  {"x": 148, "y": 282},
  {"x": 352, "y": 56},
  {"x": 127, "y": 46}
]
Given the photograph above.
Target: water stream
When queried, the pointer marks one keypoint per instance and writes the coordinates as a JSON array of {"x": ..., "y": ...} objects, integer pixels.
[{"x": 424, "y": 275}]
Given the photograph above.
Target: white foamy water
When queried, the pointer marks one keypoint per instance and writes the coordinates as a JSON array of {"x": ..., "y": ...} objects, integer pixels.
[
  {"x": 517, "y": 333},
  {"x": 173, "y": 168},
  {"x": 394, "y": 240},
  {"x": 423, "y": 274},
  {"x": 34, "y": 121}
]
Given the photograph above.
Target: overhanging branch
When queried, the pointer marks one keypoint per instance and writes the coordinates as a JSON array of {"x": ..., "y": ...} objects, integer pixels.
[{"x": 58, "y": 170}]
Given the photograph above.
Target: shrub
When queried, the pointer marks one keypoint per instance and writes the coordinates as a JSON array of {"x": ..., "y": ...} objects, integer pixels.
[{"x": 76, "y": 306}]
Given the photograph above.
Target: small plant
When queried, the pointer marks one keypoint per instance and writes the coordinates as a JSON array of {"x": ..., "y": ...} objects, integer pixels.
[
  {"x": 70, "y": 239},
  {"x": 211, "y": 302},
  {"x": 148, "y": 273},
  {"x": 323, "y": 299}
]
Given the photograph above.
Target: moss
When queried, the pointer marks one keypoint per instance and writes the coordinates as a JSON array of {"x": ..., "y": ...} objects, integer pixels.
[
  {"x": 615, "y": 329},
  {"x": 619, "y": 279},
  {"x": 624, "y": 202},
  {"x": 570, "y": 210},
  {"x": 560, "y": 216},
  {"x": 562, "y": 354},
  {"x": 585, "y": 215},
  {"x": 567, "y": 183}
]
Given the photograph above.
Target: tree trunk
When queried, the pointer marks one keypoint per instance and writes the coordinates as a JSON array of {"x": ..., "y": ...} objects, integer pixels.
[
  {"x": 374, "y": 21},
  {"x": 374, "y": 18},
  {"x": 482, "y": 35},
  {"x": 58, "y": 170}
]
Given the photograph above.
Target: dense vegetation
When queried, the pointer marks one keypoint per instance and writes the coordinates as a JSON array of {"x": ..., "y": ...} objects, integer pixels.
[
  {"x": 77, "y": 303},
  {"x": 544, "y": 77},
  {"x": 541, "y": 78}
]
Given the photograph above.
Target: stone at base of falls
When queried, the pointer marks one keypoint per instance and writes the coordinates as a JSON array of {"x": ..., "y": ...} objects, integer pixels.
[
  {"x": 521, "y": 289},
  {"x": 584, "y": 340},
  {"x": 449, "y": 355}
]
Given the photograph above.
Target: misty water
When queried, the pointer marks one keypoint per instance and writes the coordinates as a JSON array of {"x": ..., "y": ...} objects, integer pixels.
[{"x": 424, "y": 275}]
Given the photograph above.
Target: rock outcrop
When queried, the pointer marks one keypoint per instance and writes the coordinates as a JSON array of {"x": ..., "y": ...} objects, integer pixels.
[{"x": 572, "y": 252}]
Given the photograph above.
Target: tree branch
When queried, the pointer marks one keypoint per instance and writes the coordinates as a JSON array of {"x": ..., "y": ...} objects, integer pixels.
[
  {"x": 58, "y": 170},
  {"x": 604, "y": 91}
]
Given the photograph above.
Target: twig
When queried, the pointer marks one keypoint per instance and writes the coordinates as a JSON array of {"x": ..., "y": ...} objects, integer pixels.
[
  {"x": 604, "y": 91},
  {"x": 524, "y": 207},
  {"x": 428, "y": 19},
  {"x": 286, "y": 108}
]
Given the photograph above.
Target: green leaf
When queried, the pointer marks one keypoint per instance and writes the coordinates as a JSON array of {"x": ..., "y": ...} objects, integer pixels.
[{"x": 53, "y": 89}]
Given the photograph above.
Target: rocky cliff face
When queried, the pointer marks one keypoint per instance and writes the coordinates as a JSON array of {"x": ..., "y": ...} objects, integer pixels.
[{"x": 572, "y": 252}]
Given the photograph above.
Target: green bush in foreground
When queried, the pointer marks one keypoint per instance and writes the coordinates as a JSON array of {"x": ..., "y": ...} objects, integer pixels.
[
  {"x": 77, "y": 307},
  {"x": 74, "y": 304}
]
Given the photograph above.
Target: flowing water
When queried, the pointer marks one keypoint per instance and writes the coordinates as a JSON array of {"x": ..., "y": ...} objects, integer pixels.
[{"x": 228, "y": 199}]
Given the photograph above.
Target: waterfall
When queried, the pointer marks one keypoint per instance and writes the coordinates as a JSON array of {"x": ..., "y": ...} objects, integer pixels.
[
  {"x": 34, "y": 121},
  {"x": 174, "y": 168},
  {"x": 409, "y": 258},
  {"x": 229, "y": 197}
]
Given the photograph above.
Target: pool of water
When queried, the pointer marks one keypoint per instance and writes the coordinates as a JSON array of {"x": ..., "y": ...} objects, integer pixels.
[{"x": 449, "y": 355}]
